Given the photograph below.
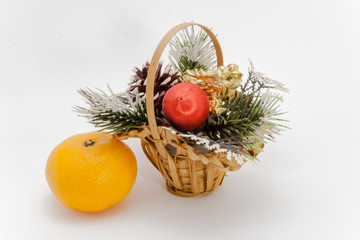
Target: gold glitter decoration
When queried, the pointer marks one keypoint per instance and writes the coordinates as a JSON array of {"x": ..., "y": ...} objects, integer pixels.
[{"x": 217, "y": 84}]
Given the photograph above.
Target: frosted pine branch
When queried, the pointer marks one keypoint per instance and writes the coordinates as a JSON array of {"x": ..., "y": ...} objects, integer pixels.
[
  {"x": 258, "y": 81},
  {"x": 190, "y": 50},
  {"x": 232, "y": 152},
  {"x": 269, "y": 122},
  {"x": 114, "y": 112}
]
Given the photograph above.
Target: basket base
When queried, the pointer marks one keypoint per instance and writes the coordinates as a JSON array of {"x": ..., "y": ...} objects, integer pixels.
[{"x": 180, "y": 193}]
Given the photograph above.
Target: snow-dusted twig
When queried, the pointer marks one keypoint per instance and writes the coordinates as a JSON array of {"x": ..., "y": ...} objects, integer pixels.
[{"x": 189, "y": 50}]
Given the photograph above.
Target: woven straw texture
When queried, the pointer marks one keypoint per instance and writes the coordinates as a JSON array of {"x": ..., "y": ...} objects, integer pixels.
[{"x": 188, "y": 172}]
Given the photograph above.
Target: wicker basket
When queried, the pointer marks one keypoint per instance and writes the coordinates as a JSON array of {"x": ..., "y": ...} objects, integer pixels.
[{"x": 187, "y": 170}]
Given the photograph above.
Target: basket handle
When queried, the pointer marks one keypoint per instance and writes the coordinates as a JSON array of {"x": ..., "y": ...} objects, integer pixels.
[{"x": 154, "y": 64}]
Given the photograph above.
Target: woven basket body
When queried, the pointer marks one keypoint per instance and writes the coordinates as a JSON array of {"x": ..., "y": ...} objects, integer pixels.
[
  {"x": 188, "y": 171},
  {"x": 192, "y": 177}
]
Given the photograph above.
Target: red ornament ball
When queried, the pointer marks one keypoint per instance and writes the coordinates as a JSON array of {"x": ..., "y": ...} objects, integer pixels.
[{"x": 186, "y": 106}]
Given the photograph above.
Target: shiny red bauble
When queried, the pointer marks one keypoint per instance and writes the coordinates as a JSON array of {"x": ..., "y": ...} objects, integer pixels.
[{"x": 186, "y": 106}]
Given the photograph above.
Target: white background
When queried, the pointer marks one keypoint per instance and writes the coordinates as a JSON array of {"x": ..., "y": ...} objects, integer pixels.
[{"x": 307, "y": 183}]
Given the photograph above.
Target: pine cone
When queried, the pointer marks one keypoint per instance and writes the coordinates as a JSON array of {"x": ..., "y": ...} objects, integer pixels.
[{"x": 163, "y": 82}]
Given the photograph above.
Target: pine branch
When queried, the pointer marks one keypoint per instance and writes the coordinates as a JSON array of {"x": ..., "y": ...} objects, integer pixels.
[
  {"x": 190, "y": 50},
  {"x": 185, "y": 63},
  {"x": 239, "y": 120},
  {"x": 113, "y": 121},
  {"x": 257, "y": 81},
  {"x": 204, "y": 143},
  {"x": 115, "y": 112},
  {"x": 248, "y": 118}
]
